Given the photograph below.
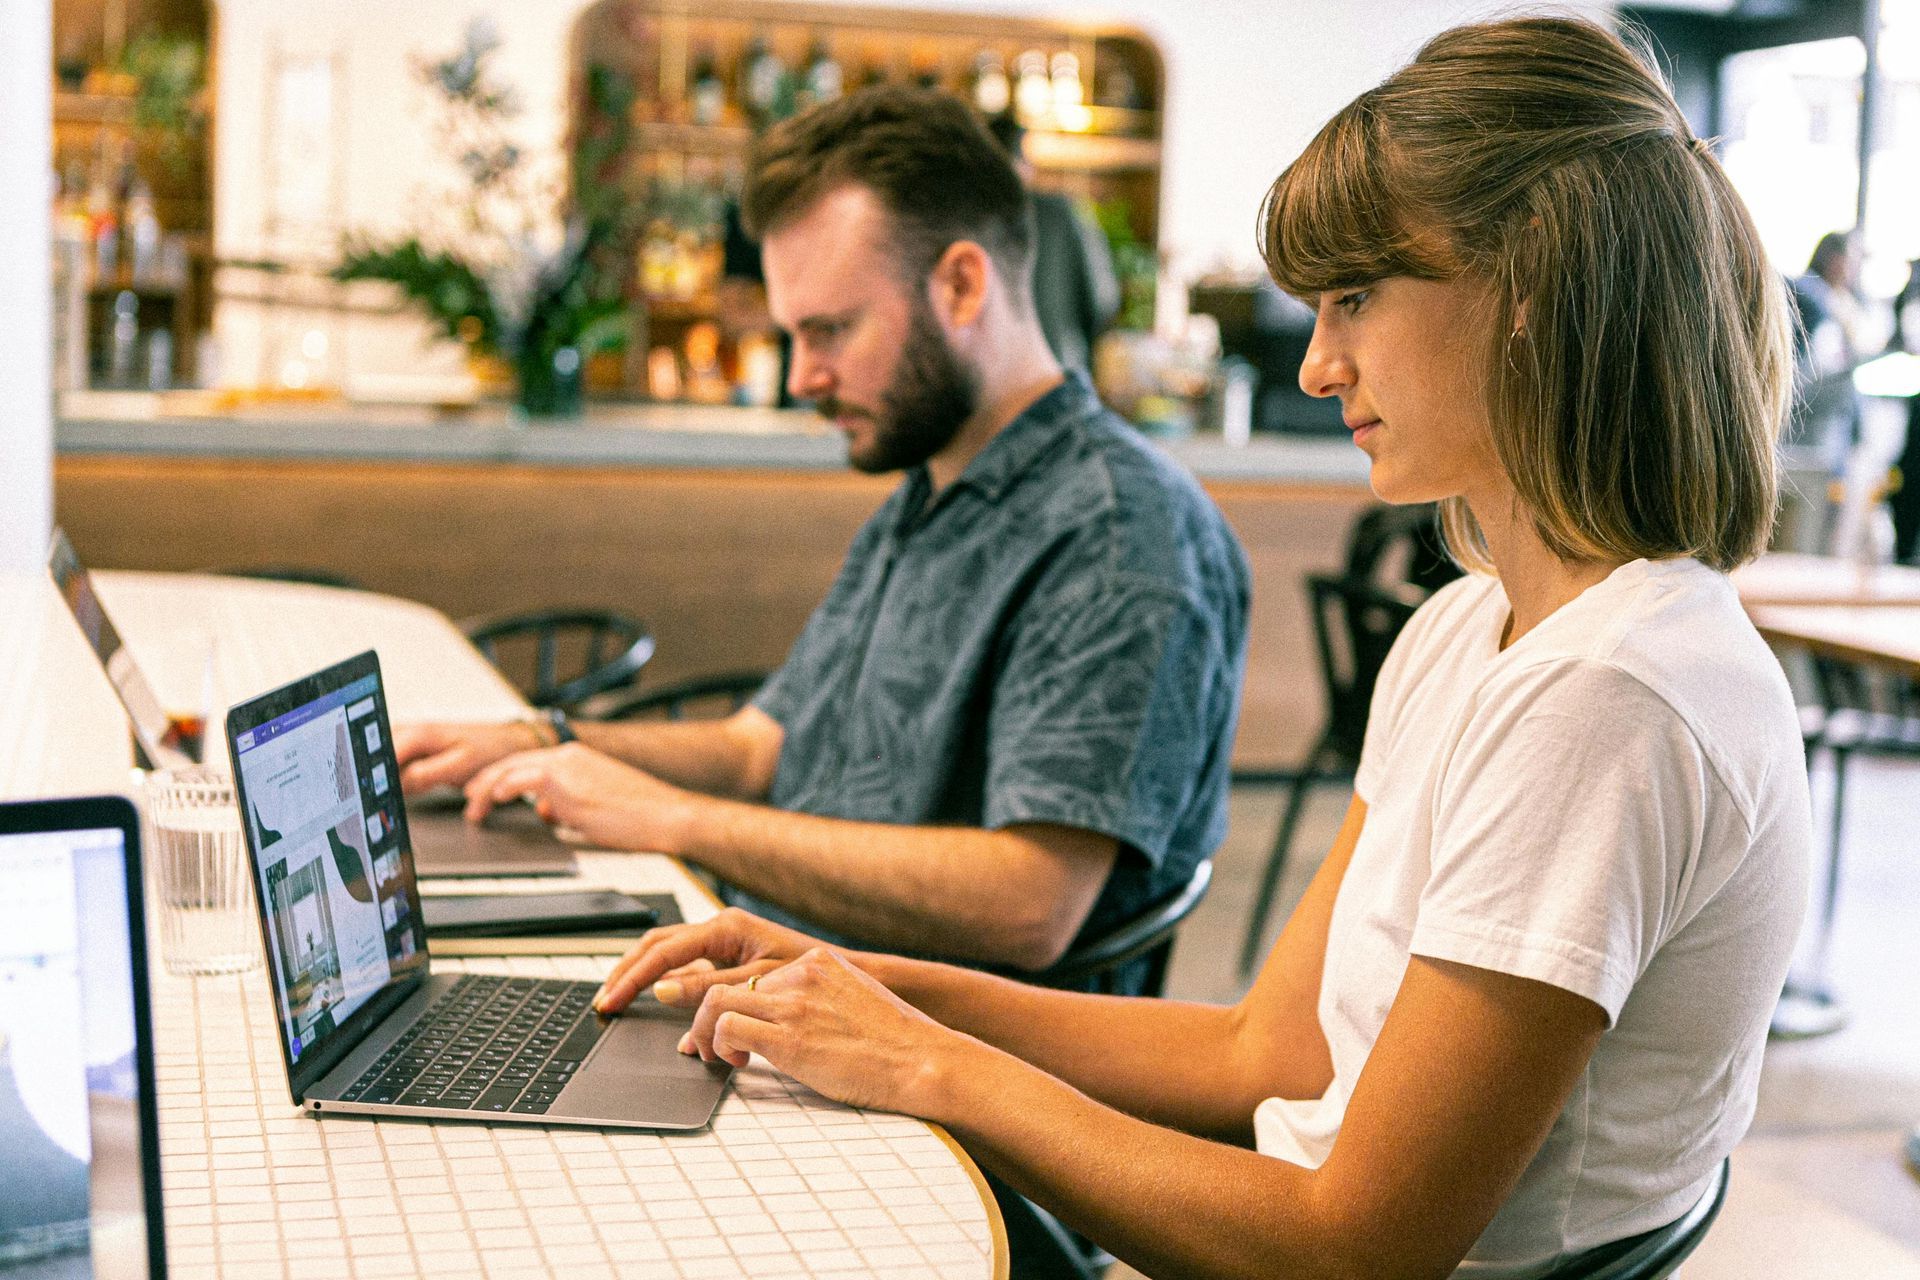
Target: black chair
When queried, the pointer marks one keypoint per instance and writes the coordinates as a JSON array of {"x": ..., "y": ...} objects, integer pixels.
[
  {"x": 1400, "y": 544},
  {"x": 1860, "y": 711},
  {"x": 1099, "y": 964},
  {"x": 603, "y": 650},
  {"x": 291, "y": 573},
  {"x": 1355, "y": 622},
  {"x": 1655, "y": 1254},
  {"x": 730, "y": 690}
]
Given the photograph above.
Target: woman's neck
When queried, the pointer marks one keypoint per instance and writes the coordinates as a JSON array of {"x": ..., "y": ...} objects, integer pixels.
[{"x": 1536, "y": 581}]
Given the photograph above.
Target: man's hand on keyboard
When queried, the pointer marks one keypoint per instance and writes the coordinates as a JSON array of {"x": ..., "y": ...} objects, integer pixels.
[
  {"x": 598, "y": 800},
  {"x": 448, "y": 755}
]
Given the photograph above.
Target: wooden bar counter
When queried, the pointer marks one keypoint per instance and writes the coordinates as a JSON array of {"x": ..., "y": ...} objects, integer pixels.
[{"x": 721, "y": 528}]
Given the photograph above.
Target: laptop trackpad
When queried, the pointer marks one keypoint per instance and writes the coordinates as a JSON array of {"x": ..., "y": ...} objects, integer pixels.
[{"x": 637, "y": 1074}]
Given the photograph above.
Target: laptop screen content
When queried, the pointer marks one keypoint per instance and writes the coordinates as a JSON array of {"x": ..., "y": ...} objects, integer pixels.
[
  {"x": 72, "y": 1181},
  {"x": 319, "y": 787}
]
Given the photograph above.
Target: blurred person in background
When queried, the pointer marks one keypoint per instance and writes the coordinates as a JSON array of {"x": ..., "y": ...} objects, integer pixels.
[
  {"x": 1828, "y": 345},
  {"x": 1075, "y": 290},
  {"x": 1905, "y": 500}
]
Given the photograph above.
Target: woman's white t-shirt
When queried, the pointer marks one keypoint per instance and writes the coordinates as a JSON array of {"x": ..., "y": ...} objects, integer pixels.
[{"x": 1615, "y": 804}]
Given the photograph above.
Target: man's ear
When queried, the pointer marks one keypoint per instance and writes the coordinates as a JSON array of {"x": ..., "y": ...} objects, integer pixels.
[{"x": 960, "y": 282}]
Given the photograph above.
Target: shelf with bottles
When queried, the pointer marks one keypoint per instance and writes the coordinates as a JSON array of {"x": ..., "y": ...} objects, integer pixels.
[
  {"x": 668, "y": 97},
  {"x": 132, "y": 115}
]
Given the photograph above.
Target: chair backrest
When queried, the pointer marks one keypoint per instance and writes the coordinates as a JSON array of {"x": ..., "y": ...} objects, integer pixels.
[
  {"x": 1657, "y": 1253},
  {"x": 1400, "y": 544},
  {"x": 561, "y": 657},
  {"x": 1099, "y": 963},
  {"x": 726, "y": 692},
  {"x": 1355, "y": 622}
]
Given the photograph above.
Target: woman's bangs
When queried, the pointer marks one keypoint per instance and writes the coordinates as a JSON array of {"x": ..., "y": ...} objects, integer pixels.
[{"x": 1329, "y": 221}]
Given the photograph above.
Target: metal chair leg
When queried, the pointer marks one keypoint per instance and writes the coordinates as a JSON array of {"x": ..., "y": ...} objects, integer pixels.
[
  {"x": 1310, "y": 773},
  {"x": 1809, "y": 1006}
]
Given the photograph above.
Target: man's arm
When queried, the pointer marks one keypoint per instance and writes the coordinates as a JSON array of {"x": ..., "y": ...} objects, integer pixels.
[
  {"x": 1015, "y": 896},
  {"x": 732, "y": 757}
]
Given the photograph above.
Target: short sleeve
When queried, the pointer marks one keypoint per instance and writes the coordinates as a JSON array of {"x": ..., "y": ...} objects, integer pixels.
[
  {"x": 1412, "y": 650},
  {"x": 815, "y": 654},
  {"x": 1564, "y": 827},
  {"x": 1113, "y": 709},
  {"x": 779, "y": 696}
]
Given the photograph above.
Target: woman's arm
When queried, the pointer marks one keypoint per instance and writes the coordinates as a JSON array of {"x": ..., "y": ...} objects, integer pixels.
[
  {"x": 1198, "y": 1068},
  {"x": 1463, "y": 1085}
]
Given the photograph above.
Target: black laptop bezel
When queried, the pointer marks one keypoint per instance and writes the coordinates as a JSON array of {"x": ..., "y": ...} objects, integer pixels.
[
  {"x": 101, "y": 813},
  {"x": 313, "y": 1067}
]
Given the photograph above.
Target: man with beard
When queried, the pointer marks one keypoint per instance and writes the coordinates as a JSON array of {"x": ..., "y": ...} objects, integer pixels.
[{"x": 1009, "y": 722}]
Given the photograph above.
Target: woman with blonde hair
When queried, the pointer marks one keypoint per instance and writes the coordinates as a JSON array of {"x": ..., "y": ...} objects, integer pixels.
[{"x": 1520, "y": 1011}]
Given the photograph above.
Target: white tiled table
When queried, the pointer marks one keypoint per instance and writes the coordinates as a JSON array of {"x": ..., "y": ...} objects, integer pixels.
[{"x": 784, "y": 1183}]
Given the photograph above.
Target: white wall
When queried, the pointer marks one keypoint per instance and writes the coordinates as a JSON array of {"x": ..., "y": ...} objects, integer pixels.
[
  {"x": 26, "y": 290},
  {"x": 1248, "y": 82}
]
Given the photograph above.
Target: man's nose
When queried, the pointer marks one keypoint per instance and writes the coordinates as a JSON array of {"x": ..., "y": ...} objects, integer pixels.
[{"x": 808, "y": 378}]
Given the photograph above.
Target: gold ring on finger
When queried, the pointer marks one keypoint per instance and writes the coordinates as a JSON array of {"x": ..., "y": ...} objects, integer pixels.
[{"x": 753, "y": 982}]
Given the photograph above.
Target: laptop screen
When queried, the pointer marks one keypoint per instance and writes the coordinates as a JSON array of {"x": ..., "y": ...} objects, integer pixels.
[
  {"x": 320, "y": 794},
  {"x": 76, "y": 1067},
  {"x": 167, "y": 742}
]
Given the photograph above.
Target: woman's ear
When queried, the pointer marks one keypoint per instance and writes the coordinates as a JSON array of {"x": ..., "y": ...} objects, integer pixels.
[{"x": 961, "y": 279}]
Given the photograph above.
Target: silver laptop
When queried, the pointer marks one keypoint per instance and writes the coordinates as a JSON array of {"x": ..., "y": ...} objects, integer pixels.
[
  {"x": 513, "y": 841},
  {"x": 79, "y": 1128},
  {"x": 365, "y": 1025},
  {"x": 163, "y": 742}
]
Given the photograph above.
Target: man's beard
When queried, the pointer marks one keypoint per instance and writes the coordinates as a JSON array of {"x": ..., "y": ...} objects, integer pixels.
[{"x": 929, "y": 398}]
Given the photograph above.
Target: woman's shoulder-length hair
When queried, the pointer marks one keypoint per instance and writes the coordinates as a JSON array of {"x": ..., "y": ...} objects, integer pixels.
[{"x": 1639, "y": 372}]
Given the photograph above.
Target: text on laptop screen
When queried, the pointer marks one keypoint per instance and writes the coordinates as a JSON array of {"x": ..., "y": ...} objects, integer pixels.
[
  {"x": 323, "y": 812},
  {"x": 72, "y": 1190}
]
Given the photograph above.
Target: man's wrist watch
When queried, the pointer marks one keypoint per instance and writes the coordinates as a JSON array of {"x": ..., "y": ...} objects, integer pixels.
[{"x": 556, "y": 719}]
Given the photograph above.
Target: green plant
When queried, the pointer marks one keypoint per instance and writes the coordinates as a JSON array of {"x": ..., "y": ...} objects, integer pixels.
[
  {"x": 498, "y": 278},
  {"x": 169, "y": 75},
  {"x": 1135, "y": 265}
]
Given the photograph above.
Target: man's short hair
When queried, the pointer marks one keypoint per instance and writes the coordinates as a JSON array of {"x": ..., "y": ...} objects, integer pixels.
[{"x": 923, "y": 154}]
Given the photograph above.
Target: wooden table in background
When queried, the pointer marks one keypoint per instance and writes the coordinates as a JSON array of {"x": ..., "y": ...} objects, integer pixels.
[
  {"x": 1884, "y": 635},
  {"x": 1791, "y": 578}
]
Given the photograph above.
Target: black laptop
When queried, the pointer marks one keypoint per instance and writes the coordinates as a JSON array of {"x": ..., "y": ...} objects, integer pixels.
[
  {"x": 365, "y": 1025},
  {"x": 79, "y": 1130},
  {"x": 513, "y": 841}
]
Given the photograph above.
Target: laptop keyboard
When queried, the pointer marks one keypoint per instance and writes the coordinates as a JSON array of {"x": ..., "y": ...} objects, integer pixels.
[{"x": 490, "y": 1044}]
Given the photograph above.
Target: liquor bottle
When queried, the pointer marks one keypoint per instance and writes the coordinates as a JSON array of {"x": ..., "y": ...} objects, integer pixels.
[
  {"x": 103, "y": 220},
  {"x": 991, "y": 92},
  {"x": 1069, "y": 95},
  {"x": 1033, "y": 91},
  {"x": 873, "y": 67},
  {"x": 823, "y": 80},
  {"x": 761, "y": 82},
  {"x": 708, "y": 98},
  {"x": 142, "y": 233},
  {"x": 925, "y": 64}
]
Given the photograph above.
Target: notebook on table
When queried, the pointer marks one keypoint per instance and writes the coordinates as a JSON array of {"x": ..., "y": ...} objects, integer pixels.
[
  {"x": 512, "y": 842},
  {"x": 79, "y": 1129},
  {"x": 365, "y": 1026}
]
